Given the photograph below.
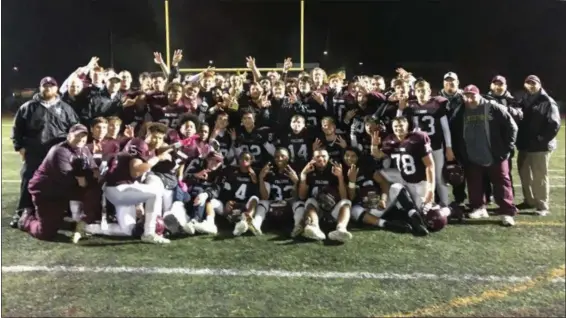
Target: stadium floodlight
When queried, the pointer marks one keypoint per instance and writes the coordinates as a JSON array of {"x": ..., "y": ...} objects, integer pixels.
[{"x": 238, "y": 69}]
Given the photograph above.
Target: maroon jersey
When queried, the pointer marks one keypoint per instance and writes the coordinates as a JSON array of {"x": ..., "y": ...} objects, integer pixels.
[
  {"x": 55, "y": 177},
  {"x": 168, "y": 115},
  {"x": 119, "y": 170},
  {"x": 427, "y": 118},
  {"x": 106, "y": 148},
  {"x": 407, "y": 155}
]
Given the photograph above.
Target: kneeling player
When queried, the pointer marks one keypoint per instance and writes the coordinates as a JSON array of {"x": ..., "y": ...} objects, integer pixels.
[
  {"x": 322, "y": 186},
  {"x": 277, "y": 188}
]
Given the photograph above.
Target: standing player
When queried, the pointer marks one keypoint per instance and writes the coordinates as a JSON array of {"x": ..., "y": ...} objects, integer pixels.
[
  {"x": 323, "y": 189},
  {"x": 172, "y": 111},
  {"x": 277, "y": 188},
  {"x": 298, "y": 141},
  {"x": 250, "y": 140},
  {"x": 429, "y": 116}
]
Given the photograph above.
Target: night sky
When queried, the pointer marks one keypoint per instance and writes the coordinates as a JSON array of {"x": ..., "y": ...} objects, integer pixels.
[{"x": 476, "y": 39}]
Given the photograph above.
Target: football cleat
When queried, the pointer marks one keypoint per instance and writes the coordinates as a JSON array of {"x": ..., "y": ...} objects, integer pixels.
[
  {"x": 340, "y": 235},
  {"x": 205, "y": 227},
  {"x": 155, "y": 239},
  {"x": 313, "y": 232}
]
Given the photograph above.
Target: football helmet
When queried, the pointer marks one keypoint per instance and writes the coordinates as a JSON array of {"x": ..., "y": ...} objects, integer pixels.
[
  {"x": 453, "y": 173},
  {"x": 434, "y": 218}
]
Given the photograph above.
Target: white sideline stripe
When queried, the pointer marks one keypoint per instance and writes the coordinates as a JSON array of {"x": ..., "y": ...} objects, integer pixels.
[
  {"x": 516, "y": 185},
  {"x": 264, "y": 273}
]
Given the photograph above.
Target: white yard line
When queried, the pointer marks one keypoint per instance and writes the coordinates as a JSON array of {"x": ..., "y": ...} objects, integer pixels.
[{"x": 266, "y": 273}]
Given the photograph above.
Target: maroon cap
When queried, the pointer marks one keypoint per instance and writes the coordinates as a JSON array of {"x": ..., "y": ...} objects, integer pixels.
[
  {"x": 499, "y": 78},
  {"x": 532, "y": 78},
  {"x": 48, "y": 81},
  {"x": 78, "y": 129},
  {"x": 471, "y": 89}
]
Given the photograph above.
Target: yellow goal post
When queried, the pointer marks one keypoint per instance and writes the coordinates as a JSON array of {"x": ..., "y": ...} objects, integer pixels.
[{"x": 239, "y": 69}]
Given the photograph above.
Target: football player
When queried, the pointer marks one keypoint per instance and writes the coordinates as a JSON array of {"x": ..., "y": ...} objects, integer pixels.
[
  {"x": 323, "y": 189},
  {"x": 169, "y": 114},
  {"x": 375, "y": 202},
  {"x": 411, "y": 153},
  {"x": 240, "y": 194},
  {"x": 277, "y": 188},
  {"x": 205, "y": 185},
  {"x": 298, "y": 141},
  {"x": 250, "y": 140},
  {"x": 429, "y": 116},
  {"x": 331, "y": 141},
  {"x": 123, "y": 189}
]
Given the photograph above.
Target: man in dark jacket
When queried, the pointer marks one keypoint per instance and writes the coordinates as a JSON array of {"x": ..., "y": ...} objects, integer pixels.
[
  {"x": 498, "y": 92},
  {"x": 536, "y": 141},
  {"x": 38, "y": 125},
  {"x": 485, "y": 135},
  {"x": 452, "y": 92}
]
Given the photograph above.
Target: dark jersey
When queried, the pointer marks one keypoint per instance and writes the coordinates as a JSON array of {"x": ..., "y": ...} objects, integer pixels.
[
  {"x": 320, "y": 179},
  {"x": 335, "y": 151},
  {"x": 299, "y": 145},
  {"x": 168, "y": 115},
  {"x": 427, "y": 118},
  {"x": 280, "y": 186},
  {"x": 238, "y": 185},
  {"x": 119, "y": 170},
  {"x": 407, "y": 155},
  {"x": 256, "y": 143}
]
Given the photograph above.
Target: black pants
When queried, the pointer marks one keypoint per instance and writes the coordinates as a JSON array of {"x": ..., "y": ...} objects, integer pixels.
[{"x": 30, "y": 164}]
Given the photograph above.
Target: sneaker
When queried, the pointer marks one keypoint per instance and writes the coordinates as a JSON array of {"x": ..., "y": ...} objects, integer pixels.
[
  {"x": 15, "y": 219},
  {"x": 418, "y": 225},
  {"x": 507, "y": 220},
  {"x": 80, "y": 230},
  {"x": 340, "y": 235},
  {"x": 542, "y": 212},
  {"x": 524, "y": 206},
  {"x": 297, "y": 230},
  {"x": 478, "y": 214},
  {"x": 206, "y": 227},
  {"x": 154, "y": 239},
  {"x": 241, "y": 227},
  {"x": 189, "y": 227},
  {"x": 313, "y": 232},
  {"x": 26, "y": 213}
]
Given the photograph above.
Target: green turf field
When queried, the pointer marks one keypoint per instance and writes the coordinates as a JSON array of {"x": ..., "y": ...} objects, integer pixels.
[{"x": 474, "y": 269}]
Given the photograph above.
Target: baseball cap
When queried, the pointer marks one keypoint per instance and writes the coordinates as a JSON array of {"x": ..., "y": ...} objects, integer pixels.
[
  {"x": 532, "y": 78},
  {"x": 78, "y": 129},
  {"x": 499, "y": 78},
  {"x": 48, "y": 80},
  {"x": 451, "y": 75},
  {"x": 113, "y": 76},
  {"x": 471, "y": 89}
]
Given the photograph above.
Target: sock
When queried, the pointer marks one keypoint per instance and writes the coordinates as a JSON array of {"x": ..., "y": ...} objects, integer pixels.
[{"x": 76, "y": 208}]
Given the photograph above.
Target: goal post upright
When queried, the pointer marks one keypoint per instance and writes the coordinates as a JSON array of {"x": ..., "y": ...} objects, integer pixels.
[{"x": 301, "y": 66}]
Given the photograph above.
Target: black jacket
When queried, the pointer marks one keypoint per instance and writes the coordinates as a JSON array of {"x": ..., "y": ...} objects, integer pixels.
[
  {"x": 540, "y": 124},
  {"x": 502, "y": 131},
  {"x": 37, "y": 127}
]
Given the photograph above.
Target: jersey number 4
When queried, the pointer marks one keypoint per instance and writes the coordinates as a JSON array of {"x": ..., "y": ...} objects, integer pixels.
[{"x": 405, "y": 162}]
